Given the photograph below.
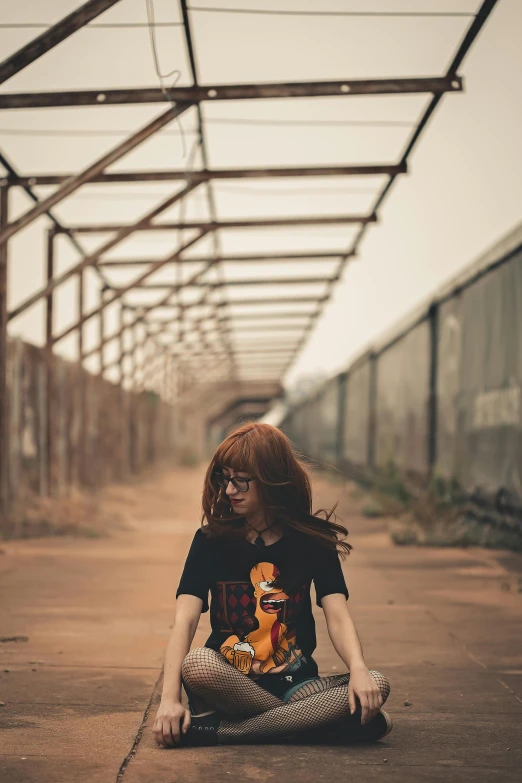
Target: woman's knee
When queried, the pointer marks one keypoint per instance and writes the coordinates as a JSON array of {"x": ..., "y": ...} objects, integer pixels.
[
  {"x": 382, "y": 682},
  {"x": 198, "y": 663}
]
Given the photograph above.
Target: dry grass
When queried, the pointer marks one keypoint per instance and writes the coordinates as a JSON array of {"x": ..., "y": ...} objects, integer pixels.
[{"x": 77, "y": 515}]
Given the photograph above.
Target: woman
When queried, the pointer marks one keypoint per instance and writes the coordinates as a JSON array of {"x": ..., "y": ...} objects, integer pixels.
[{"x": 257, "y": 554}]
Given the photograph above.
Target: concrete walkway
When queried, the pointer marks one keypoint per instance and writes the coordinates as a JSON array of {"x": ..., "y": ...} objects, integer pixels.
[{"x": 81, "y": 693}]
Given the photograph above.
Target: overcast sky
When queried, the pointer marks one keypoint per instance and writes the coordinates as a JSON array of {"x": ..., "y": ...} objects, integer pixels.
[{"x": 462, "y": 193}]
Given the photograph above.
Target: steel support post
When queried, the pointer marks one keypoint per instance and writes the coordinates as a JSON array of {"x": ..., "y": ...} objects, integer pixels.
[
  {"x": 82, "y": 385},
  {"x": 164, "y": 373},
  {"x": 372, "y": 413},
  {"x": 124, "y": 442},
  {"x": 51, "y": 403},
  {"x": 433, "y": 384},
  {"x": 173, "y": 379},
  {"x": 101, "y": 328},
  {"x": 133, "y": 351},
  {"x": 133, "y": 354},
  {"x": 142, "y": 359},
  {"x": 4, "y": 409},
  {"x": 81, "y": 309},
  {"x": 122, "y": 352}
]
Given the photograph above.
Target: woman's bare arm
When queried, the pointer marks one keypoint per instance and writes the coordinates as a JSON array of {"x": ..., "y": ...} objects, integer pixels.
[
  {"x": 341, "y": 630},
  {"x": 188, "y": 612},
  {"x": 347, "y": 644},
  {"x": 172, "y": 717}
]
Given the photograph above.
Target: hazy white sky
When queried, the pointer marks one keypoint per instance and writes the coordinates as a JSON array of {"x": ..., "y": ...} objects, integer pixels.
[{"x": 462, "y": 193}]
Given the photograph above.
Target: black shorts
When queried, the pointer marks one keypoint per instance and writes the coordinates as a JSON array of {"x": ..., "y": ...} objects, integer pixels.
[{"x": 282, "y": 685}]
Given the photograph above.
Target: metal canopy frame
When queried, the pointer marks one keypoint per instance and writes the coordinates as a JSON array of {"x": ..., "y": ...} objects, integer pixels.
[{"x": 222, "y": 313}]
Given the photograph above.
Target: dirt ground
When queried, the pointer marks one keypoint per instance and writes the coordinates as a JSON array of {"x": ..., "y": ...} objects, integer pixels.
[{"x": 85, "y": 621}]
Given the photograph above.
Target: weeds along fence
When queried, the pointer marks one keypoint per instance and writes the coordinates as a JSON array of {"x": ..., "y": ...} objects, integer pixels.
[
  {"x": 439, "y": 400},
  {"x": 76, "y": 429}
]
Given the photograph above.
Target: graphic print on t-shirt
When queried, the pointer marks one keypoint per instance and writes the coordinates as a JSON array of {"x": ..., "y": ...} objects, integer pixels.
[{"x": 262, "y": 643}]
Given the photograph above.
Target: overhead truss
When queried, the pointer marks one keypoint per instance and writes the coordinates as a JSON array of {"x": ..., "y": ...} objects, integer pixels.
[{"x": 206, "y": 341}]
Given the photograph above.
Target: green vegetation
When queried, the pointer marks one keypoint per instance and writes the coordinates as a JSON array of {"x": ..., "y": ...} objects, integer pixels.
[
  {"x": 461, "y": 532},
  {"x": 439, "y": 514}
]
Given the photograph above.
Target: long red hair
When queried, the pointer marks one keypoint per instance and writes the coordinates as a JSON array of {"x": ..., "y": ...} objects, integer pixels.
[{"x": 283, "y": 483}]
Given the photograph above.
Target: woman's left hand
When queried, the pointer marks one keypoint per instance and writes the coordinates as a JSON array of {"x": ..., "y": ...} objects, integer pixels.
[{"x": 366, "y": 689}]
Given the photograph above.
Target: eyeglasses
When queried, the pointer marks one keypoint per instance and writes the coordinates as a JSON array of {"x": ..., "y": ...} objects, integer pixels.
[{"x": 241, "y": 484}]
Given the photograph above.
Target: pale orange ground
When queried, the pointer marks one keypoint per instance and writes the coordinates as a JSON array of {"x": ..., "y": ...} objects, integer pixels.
[{"x": 444, "y": 625}]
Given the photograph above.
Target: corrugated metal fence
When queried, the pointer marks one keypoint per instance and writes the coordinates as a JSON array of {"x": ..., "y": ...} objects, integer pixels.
[{"x": 440, "y": 398}]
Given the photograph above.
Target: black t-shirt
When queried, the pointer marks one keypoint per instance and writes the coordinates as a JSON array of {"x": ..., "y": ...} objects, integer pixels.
[{"x": 261, "y": 620}]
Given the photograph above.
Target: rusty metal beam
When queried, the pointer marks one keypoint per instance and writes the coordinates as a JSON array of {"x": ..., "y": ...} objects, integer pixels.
[
  {"x": 284, "y": 316},
  {"x": 248, "y": 351},
  {"x": 358, "y": 170},
  {"x": 435, "y": 85},
  {"x": 50, "y": 38},
  {"x": 277, "y": 301},
  {"x": 264, "y": 257},
  {"x": 262, "y": 328},
  {"x": 259, "y": 348},
  {"x": 265, "y": 361},
  {"x": 234, "y": 283},
  {"x": 72, "y": 184},
  {"x": 257, "y": 345},
  {"x": 273, "y": 363},
  {"x": 270, "y": 316},
  {"x": 260, "y": 301},
  {"x": 238, "y": 330},
  {"x": 308, "y": 220},
  {"x": 92, "y": 258},
  {"x": 160, "y": 304},
  {"x": 251, "y": 351}
]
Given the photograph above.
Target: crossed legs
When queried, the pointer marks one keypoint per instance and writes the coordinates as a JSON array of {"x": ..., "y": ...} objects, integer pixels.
[{"x": 253, "y": 713}]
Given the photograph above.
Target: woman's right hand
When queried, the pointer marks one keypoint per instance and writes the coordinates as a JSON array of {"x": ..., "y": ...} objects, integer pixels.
[{"x": 171, "y": 718}]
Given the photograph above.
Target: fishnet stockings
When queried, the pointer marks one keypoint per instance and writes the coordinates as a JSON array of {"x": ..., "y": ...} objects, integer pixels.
[
  {"x": 322, "y": 702},
  {"x": 208, "y": 675},
  {"x": 325, "y": 683}
]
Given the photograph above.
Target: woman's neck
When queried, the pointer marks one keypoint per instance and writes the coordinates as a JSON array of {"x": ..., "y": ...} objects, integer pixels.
[{"x": 259, "y": 525}]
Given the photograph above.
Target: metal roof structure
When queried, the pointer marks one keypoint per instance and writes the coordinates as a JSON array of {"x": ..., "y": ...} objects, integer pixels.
[{"x": 255, "y": 225}]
